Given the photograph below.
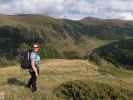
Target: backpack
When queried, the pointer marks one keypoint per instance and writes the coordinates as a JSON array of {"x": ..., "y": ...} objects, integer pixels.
[{"x": 25, "y": 61}]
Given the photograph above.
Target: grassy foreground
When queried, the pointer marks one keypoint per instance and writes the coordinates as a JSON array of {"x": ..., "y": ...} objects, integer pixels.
[{"x": 61, "y": 79}]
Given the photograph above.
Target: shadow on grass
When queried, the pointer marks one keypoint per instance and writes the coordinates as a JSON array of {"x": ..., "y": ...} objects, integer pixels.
[{"x": 15, "y": 81}]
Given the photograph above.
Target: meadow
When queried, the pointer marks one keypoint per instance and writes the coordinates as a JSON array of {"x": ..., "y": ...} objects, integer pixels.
[{"x": 62, "y": 79}]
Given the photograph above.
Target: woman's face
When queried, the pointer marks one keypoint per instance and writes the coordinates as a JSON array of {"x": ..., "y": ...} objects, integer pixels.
[{"x": 37, "y": 49}]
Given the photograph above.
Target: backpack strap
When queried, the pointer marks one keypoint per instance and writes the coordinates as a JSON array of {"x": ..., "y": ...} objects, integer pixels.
[{"x": 28, "y": 55}]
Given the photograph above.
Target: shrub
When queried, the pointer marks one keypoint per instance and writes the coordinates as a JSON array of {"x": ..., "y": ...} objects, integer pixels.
[{"x": 80, "y": 90}]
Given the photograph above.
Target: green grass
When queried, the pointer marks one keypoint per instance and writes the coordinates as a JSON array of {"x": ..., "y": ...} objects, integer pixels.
[{"x": 56, "y": 72}]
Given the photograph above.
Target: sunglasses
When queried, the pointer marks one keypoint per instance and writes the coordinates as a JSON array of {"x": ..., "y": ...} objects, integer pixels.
[{"x": 36, "y": 47}]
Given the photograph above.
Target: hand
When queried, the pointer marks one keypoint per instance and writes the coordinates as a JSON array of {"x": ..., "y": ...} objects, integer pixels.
[{"x": 36, "y": 74}]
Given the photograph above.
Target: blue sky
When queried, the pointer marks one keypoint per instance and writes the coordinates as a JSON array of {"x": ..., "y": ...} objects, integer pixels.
[{"x": 72, "y": 9}]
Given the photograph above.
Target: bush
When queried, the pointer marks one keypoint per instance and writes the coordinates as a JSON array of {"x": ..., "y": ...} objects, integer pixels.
[
  {"x": 95, "y": 58},
  {"x": 79, "y": 90}
]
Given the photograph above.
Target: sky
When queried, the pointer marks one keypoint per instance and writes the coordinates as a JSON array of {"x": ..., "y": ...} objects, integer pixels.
[{"x": 71, "y": 9}]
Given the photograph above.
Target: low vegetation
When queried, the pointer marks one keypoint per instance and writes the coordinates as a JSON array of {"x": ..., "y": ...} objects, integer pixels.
[
  {"x": 82, "y": 90},
  {"x": 119, "y": 53},
  {"x": 61, "y": 79}
]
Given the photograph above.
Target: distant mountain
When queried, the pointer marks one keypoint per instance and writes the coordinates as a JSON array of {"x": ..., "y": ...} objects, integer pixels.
[
  {"x": 109, "y": 29},
  {"x": 100, "y": 21},
  {"x": 91, "y": 20}
]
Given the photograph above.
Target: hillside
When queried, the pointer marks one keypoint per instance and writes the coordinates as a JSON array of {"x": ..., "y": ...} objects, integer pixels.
[
  {"x": 21, "y": 31},
  {"x": 61, "y": 79},
  {"x": 119, "y": 53},
  {"x": 109, "y": 29},
  {"x": 59, "y": 38}
]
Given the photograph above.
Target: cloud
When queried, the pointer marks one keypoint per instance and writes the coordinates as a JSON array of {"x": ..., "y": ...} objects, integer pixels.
[
  {"x": 73, "y": 9},
  {"x": 51, "y": 7},
  {"x": 115, "y": 9}
]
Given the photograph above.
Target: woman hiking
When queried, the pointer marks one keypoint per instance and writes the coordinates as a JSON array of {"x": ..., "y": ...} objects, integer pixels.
[{"x": 34, "y": 71}]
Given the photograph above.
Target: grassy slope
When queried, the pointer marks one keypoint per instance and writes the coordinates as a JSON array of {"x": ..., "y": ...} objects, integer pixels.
[
  {"x": 55, "y": 72},
  {"x": 61, "y": 36},
  {"x": 118, "y": 52}
]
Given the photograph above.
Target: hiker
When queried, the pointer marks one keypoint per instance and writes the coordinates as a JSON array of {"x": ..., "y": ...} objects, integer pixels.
[{"x": 34, "y": 70}]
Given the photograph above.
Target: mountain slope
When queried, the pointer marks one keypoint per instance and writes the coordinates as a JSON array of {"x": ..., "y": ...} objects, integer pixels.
[
  {"x": 119, "y": 53},
  {"x": 109, "y": 29},
  {"x": 60, "y": 38}
]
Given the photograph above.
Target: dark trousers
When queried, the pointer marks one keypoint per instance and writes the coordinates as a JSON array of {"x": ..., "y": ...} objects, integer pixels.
[{"x": 32, "y": 83}]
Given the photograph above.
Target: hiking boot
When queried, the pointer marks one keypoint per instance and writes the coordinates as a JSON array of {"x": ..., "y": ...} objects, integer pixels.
[{"x": 33, "y": 89}]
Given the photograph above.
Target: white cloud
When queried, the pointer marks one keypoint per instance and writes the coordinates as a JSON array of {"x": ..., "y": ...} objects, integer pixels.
[
  {"x": 74, "y": 9},
  {"x": 115, "y": 8},
  {"x": 126, "y": 16},
  {"x": 32, "y": 6}
]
